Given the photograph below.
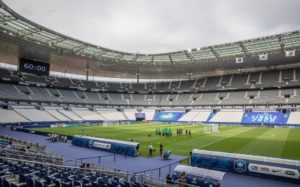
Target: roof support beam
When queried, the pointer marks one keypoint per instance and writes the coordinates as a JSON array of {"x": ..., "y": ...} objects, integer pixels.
[
  {"x": 244, "y": 49},
  {"x": 53, "y": 42},
  {"x": 98, "y": 55},
  {"x": 118, "y": 57},
  {"x": 189, "y": 56},
  {"x": 281, "y": 43},
  {"x": 214, "y": 52},
  {"x": 135, "y": 57},
  {"x": 25, "y": 32},
  {"x": 79, "y": 49},
  {"x": 171, "y": 59},
  {"x": 7, "y": 18}
]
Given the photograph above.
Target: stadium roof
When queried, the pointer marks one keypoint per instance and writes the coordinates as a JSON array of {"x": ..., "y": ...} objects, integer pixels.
[
  {"x": 20, "y": 37},
  {"x": 17, "y": 26}
]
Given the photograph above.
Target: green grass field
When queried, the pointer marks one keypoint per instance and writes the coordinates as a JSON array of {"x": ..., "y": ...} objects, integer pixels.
[{"x": 274, "y": 142}]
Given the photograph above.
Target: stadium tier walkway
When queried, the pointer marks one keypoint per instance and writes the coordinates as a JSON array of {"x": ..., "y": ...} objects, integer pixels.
[{"x": 133, "y": 164}]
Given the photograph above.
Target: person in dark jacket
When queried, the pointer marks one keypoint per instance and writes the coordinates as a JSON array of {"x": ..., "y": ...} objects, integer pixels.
[
  {"x": 161, "y": 148},
  {"x": 169, "y": 180}
]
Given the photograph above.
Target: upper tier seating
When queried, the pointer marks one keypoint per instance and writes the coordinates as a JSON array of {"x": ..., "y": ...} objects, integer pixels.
[
  {"x": 41, "y": 94},
  {"x": 9, "y": 91},
  {"x": 266, "y": 79}
]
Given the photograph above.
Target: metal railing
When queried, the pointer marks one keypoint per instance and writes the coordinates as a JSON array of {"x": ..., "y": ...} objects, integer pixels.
[
  {"x": 98, "y": 158},
  {"x": 127, "y": 176},
  {"x": 22, "y": 142}
]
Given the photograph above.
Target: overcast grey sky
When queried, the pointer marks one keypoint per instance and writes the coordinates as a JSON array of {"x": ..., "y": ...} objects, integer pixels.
[{"x": 155, "y": 26}]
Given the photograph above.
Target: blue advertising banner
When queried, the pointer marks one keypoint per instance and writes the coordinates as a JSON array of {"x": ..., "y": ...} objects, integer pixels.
[
  {"x": 168, "y": 116},
  {"x": 110, "y": 145},
  {"x": 265, "y": 118},
  {"x": 247, "y": 167}
]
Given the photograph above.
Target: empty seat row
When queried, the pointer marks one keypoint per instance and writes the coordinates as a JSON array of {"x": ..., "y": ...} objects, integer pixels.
[
  {"x": 280, "y": 96},
  {"x": 289, "y": 77},
  {"x": 20, "y": 173}
]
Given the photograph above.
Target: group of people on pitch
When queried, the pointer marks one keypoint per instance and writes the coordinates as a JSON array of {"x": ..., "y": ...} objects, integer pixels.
[
  {"x": 180, "y": 131},
  {"x": 57, "y": 138}
]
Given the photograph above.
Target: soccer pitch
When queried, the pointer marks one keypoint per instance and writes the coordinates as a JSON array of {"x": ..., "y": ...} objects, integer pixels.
[{"x": 273, "y": 142}]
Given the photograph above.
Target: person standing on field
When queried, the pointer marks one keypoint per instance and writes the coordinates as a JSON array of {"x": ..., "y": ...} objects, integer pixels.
[
  {"x": 161, "y": 148},
  {"x": 150, "y": 150}
]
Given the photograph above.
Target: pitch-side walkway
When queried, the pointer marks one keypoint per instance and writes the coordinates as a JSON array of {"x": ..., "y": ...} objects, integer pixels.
[{"x": 134, "y": 164}]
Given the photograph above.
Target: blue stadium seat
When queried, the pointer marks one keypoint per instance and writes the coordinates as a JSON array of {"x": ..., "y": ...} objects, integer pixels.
[
  {"x": 66, "y": 183},
  {"x": 39, "y": 183},
  {"x": 29, "y": 181},
  {"x": 50, "y": 185},
  {"x": 86, "y": 182},
  {"x": 39, "y": 176},
  {"x": 5, "y": 183},
  {"x": 57, "y": 182},
  {"x": 22, "y": 178},
  {"x": 18, "y": 185}
]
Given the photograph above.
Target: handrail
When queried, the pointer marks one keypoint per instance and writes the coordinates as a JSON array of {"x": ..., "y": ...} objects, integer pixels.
[
  {"x": 162, "y": 166},
  {"x": 158, "y": 182},
  {"x": 19, "y": 141},
  {"x": 31, "y": 153},
  {"x": 113, "y": 173},
  {"x": 93, "y": 157}
]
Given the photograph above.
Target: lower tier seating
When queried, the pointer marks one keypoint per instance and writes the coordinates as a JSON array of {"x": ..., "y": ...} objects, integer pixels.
[{"x": 15, "y": 173}]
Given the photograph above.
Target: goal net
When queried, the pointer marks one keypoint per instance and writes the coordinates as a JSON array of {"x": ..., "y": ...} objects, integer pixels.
[
  {"x": 211, "y": 128},
  {"x": 108, "y": 123},
  {"x": 113, "y": 123}
]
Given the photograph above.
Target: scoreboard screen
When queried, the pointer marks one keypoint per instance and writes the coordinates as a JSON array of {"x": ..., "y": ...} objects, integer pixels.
[
  {"x": 140, "y": 116},
  {"x": 34, "y": 67}
]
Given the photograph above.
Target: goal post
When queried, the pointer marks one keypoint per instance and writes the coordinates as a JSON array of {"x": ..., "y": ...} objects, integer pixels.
[
  {"x": 211, "y": 128},
  {"x": 107, "y": 123}
]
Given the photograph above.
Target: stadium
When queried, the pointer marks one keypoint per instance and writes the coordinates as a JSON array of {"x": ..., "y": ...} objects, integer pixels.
[{"x": 225, "y": 115}]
